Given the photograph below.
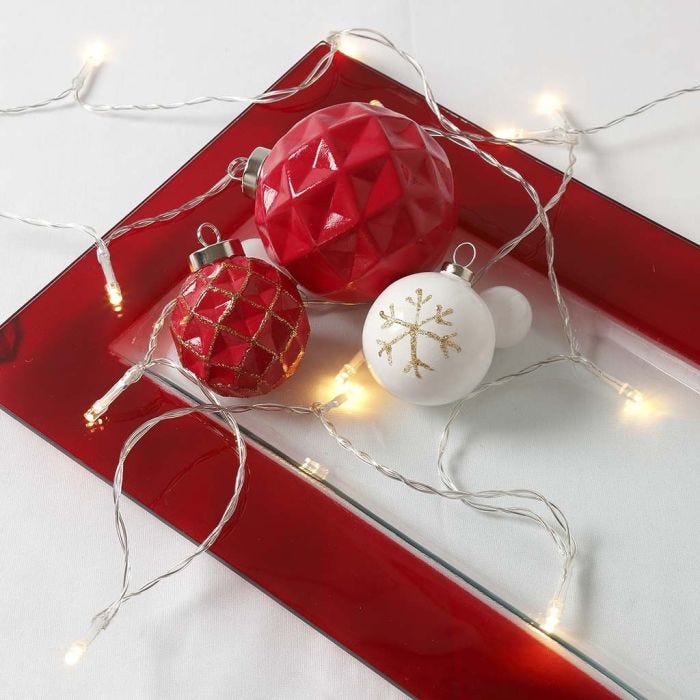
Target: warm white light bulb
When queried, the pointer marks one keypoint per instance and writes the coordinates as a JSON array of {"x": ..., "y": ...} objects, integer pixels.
[
  {"x": 636, "y": 396},
  {"x": 349, "y": 370},
  {"x": 640, "y": 408},
  {"x": 629, "y": 392},
  {"x": 96, "y": 53},
  {"x": 114, "y": 294},
  {"x": 548, "y": 104},
  {"x": 349, "y": 46},
  {"x": 75, "y": 652},
  {"x": 508, "y": 133},
  {"x": 553, "y": 617}
]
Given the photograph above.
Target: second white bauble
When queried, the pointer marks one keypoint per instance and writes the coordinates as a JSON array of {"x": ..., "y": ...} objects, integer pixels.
[
  {"x": 429, "y": 338},
  {"x": 511, "y": 313}
]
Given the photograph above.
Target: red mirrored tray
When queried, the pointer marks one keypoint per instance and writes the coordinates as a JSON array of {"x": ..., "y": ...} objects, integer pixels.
[{"x": 412, "y": 618}]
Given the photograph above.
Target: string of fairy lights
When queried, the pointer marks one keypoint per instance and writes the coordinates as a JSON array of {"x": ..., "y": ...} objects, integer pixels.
[{"x": 562, "y": 133}]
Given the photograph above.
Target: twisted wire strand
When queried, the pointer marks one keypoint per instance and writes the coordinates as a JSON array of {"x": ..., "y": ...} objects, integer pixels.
[
  {"x": 562, "y": 536},
  {"x": 234, "y": 173},
  {"x": 104, "y": 617},
  {"x": 555, "y": 136},
  {"x": 41, "y": 104},
  {"x": 266, "y": 97},
  {"x": 470, "y": 498},
  {"x": 32, "y": 107},
  {"x": 640, "y": 110},
  {"x": 45, "y": 223}
]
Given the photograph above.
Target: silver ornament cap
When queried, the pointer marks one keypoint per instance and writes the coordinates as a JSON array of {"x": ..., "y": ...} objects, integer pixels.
[
  {"x": 212, "y": 252},
  {"x": 457, "y": 269},
  {"x": 251, "y": 172}
]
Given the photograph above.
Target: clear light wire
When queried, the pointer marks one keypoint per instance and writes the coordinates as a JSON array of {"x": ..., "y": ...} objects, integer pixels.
[
  {"x": 266, "y": 97},
  {"x": 80, "y": 80},
  {"x": 234, "y": 173},
  {"x": 554, "y": 522},
  {"x": 103, "y": 618},
  {"x": 114, "y": 292},
  {"x": 557, "y": 135},
  {"x": 560, "y": 134}
]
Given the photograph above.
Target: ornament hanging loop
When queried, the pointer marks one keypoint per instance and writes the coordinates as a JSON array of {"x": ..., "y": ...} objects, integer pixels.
[
  {"x": 208, "y": 227},
  {"x": 214, "y": 251},
  {"x": 236, "y": 168},
  {"x": 458, "y": 269},
  {"x": 468, "y": 244}
]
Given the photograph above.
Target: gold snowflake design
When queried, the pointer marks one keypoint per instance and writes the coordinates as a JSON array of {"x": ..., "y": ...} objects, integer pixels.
[{"x": 412, "y": 331}]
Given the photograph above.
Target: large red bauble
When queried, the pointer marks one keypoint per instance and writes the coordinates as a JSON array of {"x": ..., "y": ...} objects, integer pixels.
[
  {"x": 240, "y": 325},
  {"x": 354, "y": 197}
]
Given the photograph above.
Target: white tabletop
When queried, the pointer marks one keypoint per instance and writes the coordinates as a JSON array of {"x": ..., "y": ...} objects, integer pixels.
[{"x": 208, "y": 633}]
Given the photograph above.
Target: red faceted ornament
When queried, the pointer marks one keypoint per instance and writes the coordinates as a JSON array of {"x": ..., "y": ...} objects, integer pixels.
[
  {"x": 239, "y": 325},
  {"x": 354, "y": 197}
]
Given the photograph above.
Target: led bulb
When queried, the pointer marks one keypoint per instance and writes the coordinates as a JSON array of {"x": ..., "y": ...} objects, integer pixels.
[
  {"x": 349, "y": 46},
  {"x": 629, "y": 392},
  {"x": 95, "y": 54},
  {"x": 349, "y": 370},
  {"x": 114, "y": 294},
  {"x": 75, "y": 652},
  {"x": 636, "y": 396},
  {"x": 552, "y": 618},
  {"x": 508, "y": 133},
  {"x": 548, "y": 104},
  {"x": 91, "y": 416}
]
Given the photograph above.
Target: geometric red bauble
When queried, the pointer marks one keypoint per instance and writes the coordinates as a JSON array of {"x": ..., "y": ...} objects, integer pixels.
[
  {"x": 354, "y": 197},
  {"x": 240, "y": 325}
]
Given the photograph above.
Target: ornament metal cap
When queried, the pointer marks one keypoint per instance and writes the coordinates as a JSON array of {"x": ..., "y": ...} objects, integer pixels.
[
  {"x": 212, "y": 252},
  {"x": 457, "y": 269},
  {"x": 251, "y": 172}
]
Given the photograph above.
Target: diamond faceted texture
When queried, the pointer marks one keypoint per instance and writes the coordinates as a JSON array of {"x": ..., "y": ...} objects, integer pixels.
[
  {"x": 240, "y": 326},
  {"x": 352, "y": 198}
]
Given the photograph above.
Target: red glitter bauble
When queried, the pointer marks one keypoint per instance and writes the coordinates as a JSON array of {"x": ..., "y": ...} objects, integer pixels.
[
  {"x": 354, "y": 197},
  {"x": 240, "y": 325}
]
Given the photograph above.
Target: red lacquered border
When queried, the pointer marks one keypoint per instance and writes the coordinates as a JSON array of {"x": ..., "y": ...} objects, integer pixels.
[{"x": 430, "y": 634}]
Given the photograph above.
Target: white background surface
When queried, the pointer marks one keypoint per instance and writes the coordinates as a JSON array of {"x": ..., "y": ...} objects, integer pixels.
[{"x": 208, "y": 634}]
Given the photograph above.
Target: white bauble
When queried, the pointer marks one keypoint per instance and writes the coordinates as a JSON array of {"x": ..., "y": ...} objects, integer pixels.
[
  {"x": 429, "y": 338},
  {"x": 512, "y": 314}
]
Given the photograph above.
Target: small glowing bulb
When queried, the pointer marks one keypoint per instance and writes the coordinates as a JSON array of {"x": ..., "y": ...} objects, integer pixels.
[
  {"x": 508, "y": 133},
  {"x": 635, "y": 396},
  {"x": 343, "y": 377},
  {"x": 114, "y": 294},
  {"x": 349, "y": 47},
  {"x": 548, "y": 104},
  {"x": 376, "y": 103},
  {"x": 553, "y": 617},
  {"x": 631, "y": 393},
  {"x": 641, "y": 409},
  {"x": 96, "y": 54},
  {"x": 75, "y": 652},
  {"x": 349, "y": 370},
  {"x": 94, "y": 413}
]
